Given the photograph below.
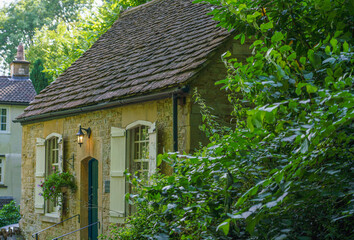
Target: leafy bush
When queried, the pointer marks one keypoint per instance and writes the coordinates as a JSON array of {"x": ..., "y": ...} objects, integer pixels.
[
  {"x": 9, "y": 214},
  {"x": 285, "y": 171}
]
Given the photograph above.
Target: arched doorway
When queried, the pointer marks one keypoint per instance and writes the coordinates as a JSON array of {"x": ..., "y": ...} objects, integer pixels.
[{"x": 92, "y": 198}]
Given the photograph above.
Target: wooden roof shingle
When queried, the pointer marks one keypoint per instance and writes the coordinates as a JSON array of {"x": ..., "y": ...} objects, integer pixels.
[{"x": 155, "y": 46}]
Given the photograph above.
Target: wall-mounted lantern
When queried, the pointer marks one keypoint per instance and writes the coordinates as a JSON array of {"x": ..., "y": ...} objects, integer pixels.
[{"x": 80, "y": 135}]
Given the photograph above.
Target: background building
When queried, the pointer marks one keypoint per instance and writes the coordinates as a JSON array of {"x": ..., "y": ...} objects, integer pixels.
[{"x": 16, "y": 92}]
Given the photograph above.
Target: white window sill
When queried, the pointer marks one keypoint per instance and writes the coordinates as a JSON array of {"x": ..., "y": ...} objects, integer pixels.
[
  {"x": 6, "y": 132},
  {"x": 51, "y": 217}
]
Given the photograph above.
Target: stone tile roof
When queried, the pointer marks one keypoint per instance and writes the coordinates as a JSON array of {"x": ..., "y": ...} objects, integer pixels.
[
  {"x": 158, "y": 45},
  {"x": 16, "y": 90}
]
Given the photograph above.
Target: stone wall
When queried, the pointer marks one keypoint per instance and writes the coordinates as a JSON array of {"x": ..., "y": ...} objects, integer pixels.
[
  {"x": 215, "y": 98},
  {"x": 98, "y": 147}
]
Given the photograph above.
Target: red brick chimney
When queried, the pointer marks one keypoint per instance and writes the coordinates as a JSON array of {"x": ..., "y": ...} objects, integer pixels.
[{"x": 20, "y": 67}]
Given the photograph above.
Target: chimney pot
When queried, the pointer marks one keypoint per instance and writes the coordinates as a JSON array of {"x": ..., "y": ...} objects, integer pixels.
[
  {"x": 20, "y": 67},
  {"x": 20, "y": 53}
]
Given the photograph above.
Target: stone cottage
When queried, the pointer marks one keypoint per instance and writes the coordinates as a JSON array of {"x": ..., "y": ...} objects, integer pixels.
[
  {"x": 16, "y": 92},
  {"x": 131, "y": 95}
]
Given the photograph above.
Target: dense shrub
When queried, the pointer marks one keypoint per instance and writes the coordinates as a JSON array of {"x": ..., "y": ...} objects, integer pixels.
[
  {"x": 286, "y": 169},
  {"x": 9, "y": 214}
]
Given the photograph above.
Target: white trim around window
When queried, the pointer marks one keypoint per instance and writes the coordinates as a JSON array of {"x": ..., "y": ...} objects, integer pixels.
[{"x": 4, "y": 120}]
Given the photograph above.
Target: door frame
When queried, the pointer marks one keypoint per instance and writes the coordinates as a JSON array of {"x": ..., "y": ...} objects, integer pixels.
[{"x": 92, "y": 198}]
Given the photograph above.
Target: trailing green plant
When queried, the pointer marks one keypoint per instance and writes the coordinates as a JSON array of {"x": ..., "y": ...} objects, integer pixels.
[
  {"x": 9, "y": 214},
  {"x": 52, "y": 186},
  {"x": 285, "y": 171}
]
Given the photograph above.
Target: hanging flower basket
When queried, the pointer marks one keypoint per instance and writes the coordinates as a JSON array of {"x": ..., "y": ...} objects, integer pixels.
[{"x": 56, "y": 184}]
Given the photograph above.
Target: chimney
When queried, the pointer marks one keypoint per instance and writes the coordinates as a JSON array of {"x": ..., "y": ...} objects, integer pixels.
[{"x": 20, "y": 67}]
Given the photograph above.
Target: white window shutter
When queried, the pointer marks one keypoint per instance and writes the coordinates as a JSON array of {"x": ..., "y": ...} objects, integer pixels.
[
  {"x": 117, "y": 185},
  {"x": 40, "y": 174},
  {"x": 60, "y": 154},
  {"x": 61, "y": 168},
  {"x": 152, "y": 148}
]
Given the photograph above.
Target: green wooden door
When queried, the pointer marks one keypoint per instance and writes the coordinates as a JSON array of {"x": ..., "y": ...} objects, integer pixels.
[{"x": 92, "y": 198}]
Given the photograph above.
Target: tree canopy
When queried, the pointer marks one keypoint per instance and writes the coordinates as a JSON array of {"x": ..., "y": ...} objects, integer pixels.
[
  {"x": 38, "y": 77},
  {"x": 285, "y": 170},
  {"x": 19, "y": 21}
]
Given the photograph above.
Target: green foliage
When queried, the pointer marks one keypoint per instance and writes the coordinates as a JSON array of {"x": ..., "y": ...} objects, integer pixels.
[
  {"x": 62, "y": 46},
  {"x": 59, "y": 35},
  {"x": 53, "y": 184},
  {"x": 58, "y": 48},
  {"x": 20, "y": 20},
  {"x": 131, "y": 3},
  {"x": 38, "y": 77},
  {"x": 9, "y": 214},
  {"x": 285, "y": 171}
]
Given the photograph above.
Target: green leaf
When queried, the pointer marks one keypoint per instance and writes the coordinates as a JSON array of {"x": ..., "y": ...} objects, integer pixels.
[
  {"x": 338, "y": 72},
  {"x": 329, "y": 79},
  {"x": 224, "y": 226},
  {"x": 310, "y": 55},
  {"x": 271, "y": 204},
  {"x": 303, "y": 60},
  {"x": 291, "y": 57},
  {"x": 281, "y": 237},
  {"x": 284, "y": 48},
  {"x": 226, "y": 54},
  {"x": 238, "y": 36},
  {"x": 250, "y": 226},
  {"x": 328, "y": 50},
  {"x": 279, "y": 176},
  {"x": 277, "y": 37},
  {"x": 313, "y": 58},
  {"x": 268, "y": 108},
  {"x": 298, "y": 91},
  {"x": 243, "y": 37},
  {"x": 171, "y": 206},
  {"x": 250, "y": 124},
  {"x": 269, "y": 117},
  {"x": 304, "y": 146},
  {"x": 334, "y": 42},
  {"x": 327, "y": 39},
  {"x": 159, "y": 159},
  {"x": 345, "y": 47},
  {"x": 333, "y": 109},
  {"x": 310, "y": 88},
  {"x": 308, "y": 76},
  {"x": 329, "y": 72},
  {"x": 258, "y": 42},
  {"x": 266, "y": 26}
]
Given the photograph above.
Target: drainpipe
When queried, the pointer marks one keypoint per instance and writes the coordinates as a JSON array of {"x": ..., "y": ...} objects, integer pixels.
[{"x": 175, "y": 121}]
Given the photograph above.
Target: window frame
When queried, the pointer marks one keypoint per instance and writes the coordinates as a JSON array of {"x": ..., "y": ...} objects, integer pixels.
[
  {"x": 142, "y": 142},
  {"x": 51, "y": 210},
  {"x": 7, "y": 123},
  {"x": 2, "y": 169}
]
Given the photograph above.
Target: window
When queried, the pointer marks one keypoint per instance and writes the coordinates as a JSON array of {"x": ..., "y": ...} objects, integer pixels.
[
  {"x": 4, "y": 120},
  {"x": 133, "y": 148},
  {"x": 52, "y": 165},
  {"x": 139, "y": 151},
  {"x": 2, "y": 169},
  {"x": 52, "y": 157}
]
